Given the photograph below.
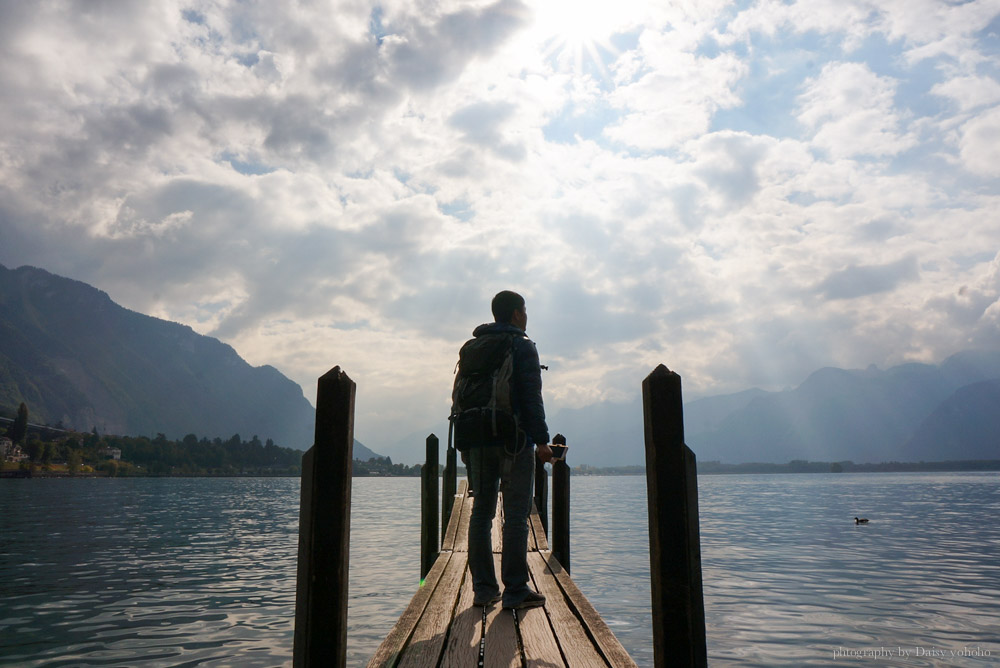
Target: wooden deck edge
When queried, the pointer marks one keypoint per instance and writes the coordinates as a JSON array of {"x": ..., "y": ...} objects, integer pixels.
[
  {"x": 537, "y": 530},
  {"x": 448, "y": 544},
  {"x": 609, "y": 645},
  {"x": 395, "y": 643}
]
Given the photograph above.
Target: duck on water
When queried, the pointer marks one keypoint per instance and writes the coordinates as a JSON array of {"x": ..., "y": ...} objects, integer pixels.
[{"x": 861, "y": 520}]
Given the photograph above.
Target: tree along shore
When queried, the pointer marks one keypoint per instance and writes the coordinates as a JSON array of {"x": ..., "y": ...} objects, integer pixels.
[
  {"x": 73, "y": 454},
  {"x": 81, "y": 454}
]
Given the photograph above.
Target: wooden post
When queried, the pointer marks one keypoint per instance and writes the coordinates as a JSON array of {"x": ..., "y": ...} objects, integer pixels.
[
  {"x": 449, "y": 485},
  {"x": 429, "y": 507},
  {"x": 325, "y": 528},
  {"x": 542, "y": 495},
  {"x": 674, "y": 545},
  {"x": 560, "y": 507}
]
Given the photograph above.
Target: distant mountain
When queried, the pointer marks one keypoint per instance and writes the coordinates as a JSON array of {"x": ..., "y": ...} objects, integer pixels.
[
  {"x": 363, "y": 453},
  {"x": 910, "y": 412},
  {"x": 863, "y": 416},
  {"x": 968, "y": 422},
  {"x": 75, "y": 357},
  {"x": 602, "y": 434},
  {"x": 709, "y": 413}
]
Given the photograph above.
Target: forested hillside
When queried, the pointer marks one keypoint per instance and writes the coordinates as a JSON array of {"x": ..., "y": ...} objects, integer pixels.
[{"x": 79, "y": 360}]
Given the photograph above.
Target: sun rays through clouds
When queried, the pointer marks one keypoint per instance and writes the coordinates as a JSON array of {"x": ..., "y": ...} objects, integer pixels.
[{"x": 745, "y": 191}]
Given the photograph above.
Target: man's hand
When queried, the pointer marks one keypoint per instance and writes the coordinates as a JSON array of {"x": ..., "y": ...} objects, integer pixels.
[{"x": 544, "y": 452}]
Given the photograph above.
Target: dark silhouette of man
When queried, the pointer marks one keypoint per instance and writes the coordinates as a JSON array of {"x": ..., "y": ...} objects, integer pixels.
[{"x": 513, "y": 464}]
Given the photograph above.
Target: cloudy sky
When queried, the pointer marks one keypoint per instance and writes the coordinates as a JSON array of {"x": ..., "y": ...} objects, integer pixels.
[{"x": 743, "y": 191}]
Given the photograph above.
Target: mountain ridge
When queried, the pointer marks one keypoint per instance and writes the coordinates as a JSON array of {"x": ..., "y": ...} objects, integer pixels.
[
  {"x": 865, "y": 416},
  {"x": 76, "y": 357}
]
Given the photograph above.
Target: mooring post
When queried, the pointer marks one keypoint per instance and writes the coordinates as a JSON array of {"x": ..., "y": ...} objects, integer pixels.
[
  {"x": 674, "y": 544},
  {"x": 449, "y": 484},
  {"x": 429, "y": 475},
  {"x": 325, "y": 528},
  {"x": 542, "y": 494},
  {"x": 560, "y": 507}
]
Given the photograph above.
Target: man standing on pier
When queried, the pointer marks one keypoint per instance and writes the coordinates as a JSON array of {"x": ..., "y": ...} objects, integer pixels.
[{"x": 510, "y": 460}]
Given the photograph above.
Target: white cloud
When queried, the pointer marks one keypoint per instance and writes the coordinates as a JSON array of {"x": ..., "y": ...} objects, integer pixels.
[
  {"x": 969, "y": 92},
  {"x": 851, "y": 21},
  {"x": 674, "y": 94},
  {"x": 980, "y": 144},
  {"x": 852, "y": 111},
  {"x": 743, "y": 194}
]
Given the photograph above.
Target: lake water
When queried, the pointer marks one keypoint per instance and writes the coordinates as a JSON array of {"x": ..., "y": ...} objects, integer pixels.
[{"x": 184, "y": 572}]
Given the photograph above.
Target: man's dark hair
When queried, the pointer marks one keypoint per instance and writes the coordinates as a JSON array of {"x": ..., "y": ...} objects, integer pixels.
[{"x": 504, "y": 305}]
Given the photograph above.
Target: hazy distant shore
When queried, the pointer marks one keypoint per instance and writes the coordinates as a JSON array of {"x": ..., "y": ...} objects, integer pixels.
[{"x": 704, "y": 468}]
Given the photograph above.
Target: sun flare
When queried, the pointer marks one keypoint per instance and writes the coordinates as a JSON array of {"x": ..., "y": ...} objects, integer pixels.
[{"x": 578, "y": 34}]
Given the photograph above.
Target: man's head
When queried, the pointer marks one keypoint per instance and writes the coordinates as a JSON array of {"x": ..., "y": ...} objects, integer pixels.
[{"x": 508, "y": 307}]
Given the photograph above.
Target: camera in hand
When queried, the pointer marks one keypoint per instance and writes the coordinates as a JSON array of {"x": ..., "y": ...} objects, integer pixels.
[{"x": 559, "y": 447}]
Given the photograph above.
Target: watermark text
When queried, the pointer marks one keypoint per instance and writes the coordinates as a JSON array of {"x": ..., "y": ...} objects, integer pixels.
[{"x": 877, "y": 653}]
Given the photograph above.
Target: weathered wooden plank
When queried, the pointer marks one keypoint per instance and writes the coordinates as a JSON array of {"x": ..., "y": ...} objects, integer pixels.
[
  {"x": 462, "y": 536},
  {"x": 391, "y": 648},
  {"x": 448, "y": 483},
  {"x": 497, "y": 537},
  {"x": 501, "y": 636},
  {"x": 577, "y": 647},
  {"x": 427, "y": 641},
  {"x": 451, "y": 532},
  {"x": 538, "y": 641},
  {"x": 606, "y": 641},
  {"x": 462, "y": 647},
  {"x": 532, "y": 541},
  {"x": 537, "y": 532},
  {"x": 501, "y": 650}
]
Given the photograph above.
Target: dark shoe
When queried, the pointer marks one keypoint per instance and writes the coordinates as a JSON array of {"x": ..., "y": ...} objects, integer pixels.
[
  {"x": 532, "y": 600},
  {"x": 482, "y": 603}
]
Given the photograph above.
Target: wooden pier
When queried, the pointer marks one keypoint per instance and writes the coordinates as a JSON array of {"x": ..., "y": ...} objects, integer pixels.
[{"x": 441, "y": 626}]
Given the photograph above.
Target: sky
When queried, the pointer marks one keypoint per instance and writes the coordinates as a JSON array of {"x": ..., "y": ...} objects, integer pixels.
[{"x": 744, "y": 192}]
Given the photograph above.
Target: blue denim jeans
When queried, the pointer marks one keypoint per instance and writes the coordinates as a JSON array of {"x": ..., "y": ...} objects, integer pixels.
[{"x": 487, "y": 467}]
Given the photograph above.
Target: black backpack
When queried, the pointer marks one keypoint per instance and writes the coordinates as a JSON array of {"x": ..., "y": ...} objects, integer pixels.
[{"x": 481, "y": 408}]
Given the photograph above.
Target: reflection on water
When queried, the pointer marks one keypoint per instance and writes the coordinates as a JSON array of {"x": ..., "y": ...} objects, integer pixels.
[{"x": 202, "y": 571}]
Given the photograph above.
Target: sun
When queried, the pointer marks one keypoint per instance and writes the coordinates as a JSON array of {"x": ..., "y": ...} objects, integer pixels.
[{"x": 576, "y": 35}]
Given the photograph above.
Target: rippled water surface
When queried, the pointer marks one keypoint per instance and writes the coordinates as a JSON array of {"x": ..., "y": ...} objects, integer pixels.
[
  {"x": 154, "y": 571},
  {"x": 175, "y": 572},
  {"x": 790, "y": 580}
]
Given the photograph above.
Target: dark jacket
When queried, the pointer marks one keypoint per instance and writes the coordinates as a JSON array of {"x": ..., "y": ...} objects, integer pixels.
[{"x": 526, "y": 381}]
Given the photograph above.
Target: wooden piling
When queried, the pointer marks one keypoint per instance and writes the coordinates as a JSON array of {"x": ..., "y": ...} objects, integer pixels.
[
  {"x": 542, "y": 495},
  {"x": 429, "y": 507},
  {"x": 674, "y": 545},
  {"x": 560, "y": 507},
  {"x": 325, "y": 528}
]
